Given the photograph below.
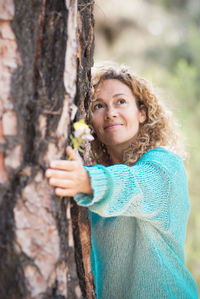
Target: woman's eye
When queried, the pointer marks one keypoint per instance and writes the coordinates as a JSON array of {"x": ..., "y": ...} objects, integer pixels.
[
  {"x": 121, "y": 101},
  {"x": 97, "y": 106}
]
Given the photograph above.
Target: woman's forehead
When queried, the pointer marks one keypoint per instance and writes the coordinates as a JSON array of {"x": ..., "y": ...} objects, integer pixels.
[{"x": 112, "y": 87}]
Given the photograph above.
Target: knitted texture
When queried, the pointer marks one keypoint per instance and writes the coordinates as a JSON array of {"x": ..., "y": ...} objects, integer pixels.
[{"x": 138, "y": 220}]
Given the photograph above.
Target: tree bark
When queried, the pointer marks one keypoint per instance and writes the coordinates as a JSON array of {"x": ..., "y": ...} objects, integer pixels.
[{"x": 46, "y": 52}]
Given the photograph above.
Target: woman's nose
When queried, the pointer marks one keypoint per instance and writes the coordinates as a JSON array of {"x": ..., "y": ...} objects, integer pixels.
[{"x": 111, "y": 112}]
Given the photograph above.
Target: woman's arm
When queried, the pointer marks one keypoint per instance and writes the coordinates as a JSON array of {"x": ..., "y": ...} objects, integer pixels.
[
  {"x": 145, "y": 190},
  {"x": 151, "y": 190}
]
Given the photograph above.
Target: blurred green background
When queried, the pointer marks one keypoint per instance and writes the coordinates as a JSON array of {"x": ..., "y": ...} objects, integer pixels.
[{"x": 160, "y": 40}]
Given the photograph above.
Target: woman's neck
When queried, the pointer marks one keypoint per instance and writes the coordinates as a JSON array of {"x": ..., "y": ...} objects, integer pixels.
[{"x": 116, "y": 155}]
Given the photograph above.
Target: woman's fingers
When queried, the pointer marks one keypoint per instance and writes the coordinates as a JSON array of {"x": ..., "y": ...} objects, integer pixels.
[
  {"x": 69, "y": 176},
  {"x": 58, "y": 174},
  {"x": 60, "y": 183},
  {"x": 64, "y": 192},
  {"x": 64, "y": 165}
]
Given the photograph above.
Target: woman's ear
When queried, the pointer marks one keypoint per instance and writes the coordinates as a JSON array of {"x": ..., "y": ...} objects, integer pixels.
[{"x": 142, "y": 116}]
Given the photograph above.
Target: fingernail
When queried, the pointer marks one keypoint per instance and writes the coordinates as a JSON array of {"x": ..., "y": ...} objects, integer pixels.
[
  {"x": 57, "y": 191},
  {"x": 47, "y": 172},
  {"x": 53, "y": 164},
  {"x": 51, "y": 180}
]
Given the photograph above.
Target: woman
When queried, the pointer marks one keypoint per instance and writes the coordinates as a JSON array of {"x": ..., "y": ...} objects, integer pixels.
[{"x": 136, "y": 191}]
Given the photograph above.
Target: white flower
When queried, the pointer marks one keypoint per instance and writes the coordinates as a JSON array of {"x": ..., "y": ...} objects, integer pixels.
[{"x": 81, "y": 134}]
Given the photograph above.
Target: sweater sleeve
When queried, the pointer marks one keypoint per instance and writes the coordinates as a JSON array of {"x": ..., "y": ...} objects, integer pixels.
[{"x": 143, "y": 190}]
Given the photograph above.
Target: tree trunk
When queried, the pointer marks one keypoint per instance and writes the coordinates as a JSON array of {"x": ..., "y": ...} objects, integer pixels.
[{"x": 46, "y": 50}]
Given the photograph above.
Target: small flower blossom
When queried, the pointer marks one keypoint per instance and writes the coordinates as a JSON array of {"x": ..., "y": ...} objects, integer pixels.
[
  {"x": 81, "y": 135},
  {"x": 80, "y": 125}
]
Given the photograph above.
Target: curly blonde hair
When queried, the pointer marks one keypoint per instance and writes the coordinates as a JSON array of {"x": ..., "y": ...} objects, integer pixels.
[{"x": 159, "y": 128}]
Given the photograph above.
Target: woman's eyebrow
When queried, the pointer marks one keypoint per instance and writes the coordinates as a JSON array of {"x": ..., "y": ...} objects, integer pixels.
[
  {"x": 118, "y": 94},
  {"x": 115, "y": 95},
  {"x": 98, "y": 100}
]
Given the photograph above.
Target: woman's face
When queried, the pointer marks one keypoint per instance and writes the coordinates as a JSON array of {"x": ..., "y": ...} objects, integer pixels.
[{"x": 115, "y": 115}]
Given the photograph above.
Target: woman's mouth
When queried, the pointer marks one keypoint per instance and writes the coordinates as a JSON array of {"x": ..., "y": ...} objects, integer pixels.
[{"x": 112, "y": 126}]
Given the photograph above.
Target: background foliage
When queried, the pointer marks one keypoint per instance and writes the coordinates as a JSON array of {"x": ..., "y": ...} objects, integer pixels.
[{"x": 160, "y": 40}]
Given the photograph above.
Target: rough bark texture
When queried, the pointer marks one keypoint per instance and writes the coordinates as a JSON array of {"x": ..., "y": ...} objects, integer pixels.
[
  {"x": 46, "y": 50},
  {"x": 80, "y": 215}
]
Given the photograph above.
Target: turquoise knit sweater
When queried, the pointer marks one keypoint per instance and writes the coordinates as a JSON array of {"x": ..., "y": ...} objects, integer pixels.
[{"x": 138, "y": 227}]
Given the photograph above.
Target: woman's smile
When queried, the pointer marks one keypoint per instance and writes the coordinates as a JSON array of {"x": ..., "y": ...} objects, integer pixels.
[{"x": 111, "y": 126}]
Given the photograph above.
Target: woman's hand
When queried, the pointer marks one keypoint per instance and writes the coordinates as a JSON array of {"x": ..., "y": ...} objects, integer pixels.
[{"x": 69, "y": 176}]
